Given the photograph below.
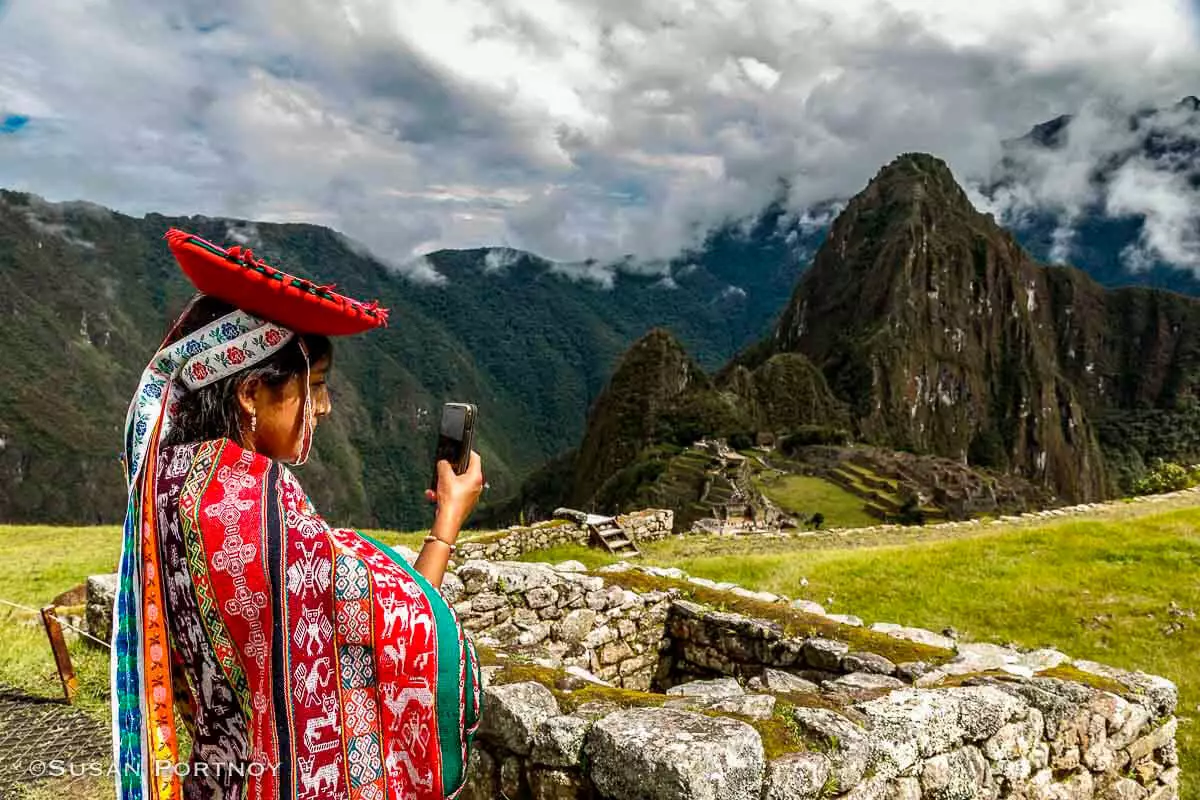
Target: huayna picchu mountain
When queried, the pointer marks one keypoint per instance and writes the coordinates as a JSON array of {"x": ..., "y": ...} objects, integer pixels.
[
  {"x": 938, "y": 330},
  {"x": 923, "y": 326}
]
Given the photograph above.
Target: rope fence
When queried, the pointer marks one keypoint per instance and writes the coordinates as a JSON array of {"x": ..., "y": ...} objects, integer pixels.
[{"x": 61, "y": 621}]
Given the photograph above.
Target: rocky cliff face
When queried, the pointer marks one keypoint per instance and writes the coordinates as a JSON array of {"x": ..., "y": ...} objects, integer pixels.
[
  {"x": 651, "y": 379},
  {"x": 1126, "y": 348},
  {"x": 925, "y": 327},
  {"x": 938, "y": 330}
]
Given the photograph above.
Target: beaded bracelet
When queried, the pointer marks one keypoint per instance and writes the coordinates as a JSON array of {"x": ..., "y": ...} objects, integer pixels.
[{"x": 432, "y": 538}]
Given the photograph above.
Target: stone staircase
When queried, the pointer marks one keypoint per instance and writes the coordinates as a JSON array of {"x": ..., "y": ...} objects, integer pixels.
[
  {"x": 608, "y": 534},
  {"x": 882, "y": 495}
]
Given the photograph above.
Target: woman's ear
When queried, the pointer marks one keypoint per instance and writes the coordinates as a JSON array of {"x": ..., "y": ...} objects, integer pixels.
[{"x": 247, "y": 396}]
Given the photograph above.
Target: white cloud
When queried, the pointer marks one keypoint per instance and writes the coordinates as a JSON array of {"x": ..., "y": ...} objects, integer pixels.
[
  {"x": 1101, "y": 163},
  {"x": 419, "y": 270},
  {"x": 574, "y": 129},
  {"x": 499, "y": 259},
  {"x": 592, "y": 271},
  {"x": 1171, "y": 209}
]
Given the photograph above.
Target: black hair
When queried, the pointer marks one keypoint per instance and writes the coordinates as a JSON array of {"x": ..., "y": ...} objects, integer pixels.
[{"x": 213, "y": 411}]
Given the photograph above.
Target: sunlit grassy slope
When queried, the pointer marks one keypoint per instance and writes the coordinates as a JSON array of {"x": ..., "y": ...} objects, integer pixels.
[
  {"x": 803, "y": 494},
  {"x": 1098, "y": 588}
]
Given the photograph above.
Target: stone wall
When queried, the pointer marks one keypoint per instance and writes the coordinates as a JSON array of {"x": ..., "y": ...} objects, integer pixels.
[
  {"x": 649, "y": 525},
  {"x": 576, "y": 620},
  {"x": 1036, "y": 739},
  {"x": 878, "y": 712},
  {"x": 512, "y": 543}
]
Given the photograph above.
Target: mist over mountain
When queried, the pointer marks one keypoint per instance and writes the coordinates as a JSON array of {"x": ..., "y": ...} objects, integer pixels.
[
  {"x": 86, "y": 294},
  {"x": 925, "y": 327},
  {"x": 1114, "y": 193},
  {"x": 535, "y": 341}
]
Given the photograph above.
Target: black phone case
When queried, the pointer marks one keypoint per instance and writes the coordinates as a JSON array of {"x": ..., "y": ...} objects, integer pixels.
[{"x": 456, "y": 451}]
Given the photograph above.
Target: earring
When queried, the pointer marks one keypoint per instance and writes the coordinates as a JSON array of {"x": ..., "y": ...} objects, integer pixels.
[{"x": 253, "y": 421}]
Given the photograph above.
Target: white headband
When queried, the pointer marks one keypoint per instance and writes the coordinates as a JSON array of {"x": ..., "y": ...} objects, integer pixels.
[{"x": 226, "y": 346}]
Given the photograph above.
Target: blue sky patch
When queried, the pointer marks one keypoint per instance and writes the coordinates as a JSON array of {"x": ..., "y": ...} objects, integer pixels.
[{"x": 12, "y": 123}]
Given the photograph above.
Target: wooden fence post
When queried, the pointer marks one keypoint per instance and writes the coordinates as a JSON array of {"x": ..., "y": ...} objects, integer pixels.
[{"x": 62, "y": 658}]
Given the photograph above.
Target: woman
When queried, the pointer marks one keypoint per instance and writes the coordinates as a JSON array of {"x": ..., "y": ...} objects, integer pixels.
[{"x": 305, "y": 661}]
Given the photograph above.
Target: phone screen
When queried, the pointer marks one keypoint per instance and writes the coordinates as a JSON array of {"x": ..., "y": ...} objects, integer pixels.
[
  {"x": 454, "y": 418},
  {"x": 452, "y": 434}
]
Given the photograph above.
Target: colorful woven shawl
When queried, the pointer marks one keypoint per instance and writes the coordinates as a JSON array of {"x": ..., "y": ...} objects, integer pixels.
[
  {"x": 168, "y": 619},
  {"x": 143, "y": 725},
  {"x": 319, "y": 663}
]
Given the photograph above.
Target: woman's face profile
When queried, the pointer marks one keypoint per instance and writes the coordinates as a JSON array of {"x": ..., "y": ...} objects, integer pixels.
[{"x": 279, "y": 413}]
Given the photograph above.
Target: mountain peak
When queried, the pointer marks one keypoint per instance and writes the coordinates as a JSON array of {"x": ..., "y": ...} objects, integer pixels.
[
  {"x": 888, "y": 244},
  {"x": 921, "y": 312},
  {"x": 916, "y": 165},
  {"x": 649, "y": 379},
  {"x": 916, "y": 192},
  {"x": 1190, "y": 103},
  {"x": 913, "y": 179}
]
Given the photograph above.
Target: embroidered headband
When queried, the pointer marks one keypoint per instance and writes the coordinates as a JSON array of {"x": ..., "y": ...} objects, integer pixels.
[
  {"x": 273, "y": 306},
  {"x": 228, "y": 345}
]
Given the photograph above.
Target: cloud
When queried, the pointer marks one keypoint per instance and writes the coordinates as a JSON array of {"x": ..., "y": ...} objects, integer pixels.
[
  {"x": 419, "y": 270},
  {"x": 577, "y": 130},
  {"x": 499, "y": 259},
  {"x": 1108, "y": 160},
  {"x": 1170, "y": 206}
]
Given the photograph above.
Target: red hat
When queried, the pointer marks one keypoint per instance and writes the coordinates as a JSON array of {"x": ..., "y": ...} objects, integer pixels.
[{"x": 237, "y": 277}]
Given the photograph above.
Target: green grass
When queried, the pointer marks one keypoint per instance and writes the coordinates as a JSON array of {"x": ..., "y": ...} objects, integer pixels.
[
  {"x": 1098, "y": 588},
  {"x": 410, "y": 539},
  {"x": 36, "y": 564},
  {"x": 803, "y": 494}
]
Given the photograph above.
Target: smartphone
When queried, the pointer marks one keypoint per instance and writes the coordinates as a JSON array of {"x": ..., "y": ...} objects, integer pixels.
[{"x": 456, "y": 438}]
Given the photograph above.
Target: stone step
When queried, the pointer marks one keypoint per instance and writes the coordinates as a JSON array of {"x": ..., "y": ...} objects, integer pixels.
[{"x": 875, "y": 511}]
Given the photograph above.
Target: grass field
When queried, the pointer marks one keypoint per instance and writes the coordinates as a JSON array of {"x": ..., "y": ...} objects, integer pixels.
[
  {"x": 1098, "y": 588},
  {"x": 802, "y": 494},
  {"x": 36, "y": 564}
]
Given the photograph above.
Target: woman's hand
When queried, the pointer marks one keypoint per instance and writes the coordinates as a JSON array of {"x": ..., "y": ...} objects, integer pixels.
[
  {"x": 457, "y": 495},
  {"x": 456, "y": 498}
]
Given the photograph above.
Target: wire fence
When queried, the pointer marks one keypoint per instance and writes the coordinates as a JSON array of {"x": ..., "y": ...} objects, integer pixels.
[{"x": 47, "y": 741}]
